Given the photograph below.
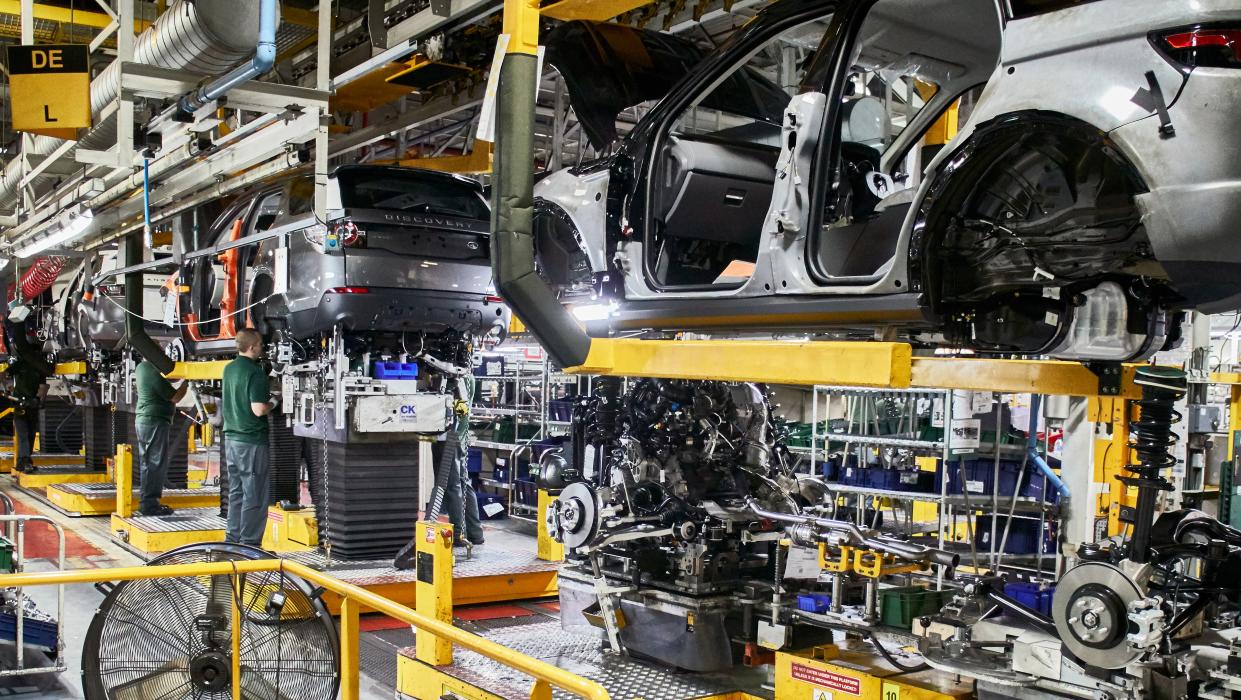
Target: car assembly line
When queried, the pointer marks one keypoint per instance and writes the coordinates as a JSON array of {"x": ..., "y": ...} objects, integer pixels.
[{"x": 721, "y": 349}]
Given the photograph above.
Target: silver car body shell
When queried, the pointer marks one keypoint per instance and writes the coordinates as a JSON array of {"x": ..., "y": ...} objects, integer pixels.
[{"x": 1088, "y": 62}]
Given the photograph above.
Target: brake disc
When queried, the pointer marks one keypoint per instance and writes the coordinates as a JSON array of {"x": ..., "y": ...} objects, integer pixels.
[
  {"x": 1090, "y": 609},
  {"x": 578, "y": 514}
]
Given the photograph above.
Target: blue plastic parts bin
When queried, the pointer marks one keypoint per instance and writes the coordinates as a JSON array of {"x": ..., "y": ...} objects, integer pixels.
[
  {"x": 491, "y": 366},
  {"x": 395, "y": 370},
  {"x": 1024, "y": 536},
  {"x": 474, "y": 464},
  {"x": 831, "y": 469},
  {"x": 1032, "y": 595},
  {"x": 880, "y": 478},
  {"x": 35, "y": 632},
  {"x": 560, "y": 409},
  {"x": 813, "y": 602}
]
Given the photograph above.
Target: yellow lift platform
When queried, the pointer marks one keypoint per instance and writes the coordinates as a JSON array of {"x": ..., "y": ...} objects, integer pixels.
[
  {"x": 58, "y": 469},
  {"x": 504, "y": 570},
  {"x": 99, "y": 499},
  {"x": 85, "y": 500},
  {"x": 148, "y": 536}
]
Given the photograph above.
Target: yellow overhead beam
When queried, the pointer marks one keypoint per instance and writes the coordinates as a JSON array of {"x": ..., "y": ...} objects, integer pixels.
[
  {"x": 476, "y": 161},
  {"x": 68, "y": 369},
  {"x": 199, "y": 371},
  {"x": 1052, "y": 377},
  {"x": 65, "y": 15},
  {"x": 300, "y": 17},
  {"x": 596, "y": 10},
  {"x": 775, "y": 362},
  {"x": 843, "y": 363}
]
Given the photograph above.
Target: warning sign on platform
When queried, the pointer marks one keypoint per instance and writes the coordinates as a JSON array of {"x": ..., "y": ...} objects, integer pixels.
[
  {"x": 49, "y": 86},
  {"x": 832, "y": 681}
]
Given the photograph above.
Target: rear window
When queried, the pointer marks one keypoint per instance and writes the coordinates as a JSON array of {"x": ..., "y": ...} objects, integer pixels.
[
  {"x": 1018, "y": 9},
  {"x": 410, "y": 193}
]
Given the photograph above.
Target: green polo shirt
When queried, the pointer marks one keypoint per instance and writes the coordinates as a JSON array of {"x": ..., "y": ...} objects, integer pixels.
[
  {"x": 154, "y": 395},
  {"x": 244, "y": 383}
]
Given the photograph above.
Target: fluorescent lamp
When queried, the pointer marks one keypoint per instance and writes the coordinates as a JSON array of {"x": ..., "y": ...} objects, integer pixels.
[{"x": 71, "y": 229}]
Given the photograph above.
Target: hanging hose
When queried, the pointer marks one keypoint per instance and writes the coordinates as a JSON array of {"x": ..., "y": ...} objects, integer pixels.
[
  {"x": 39, "y": 278},
  {"x": 1151, "y": 438}
]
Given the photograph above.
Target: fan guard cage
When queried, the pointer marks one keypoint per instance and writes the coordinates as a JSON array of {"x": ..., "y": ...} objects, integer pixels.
[{"x": 171, "y": 639}]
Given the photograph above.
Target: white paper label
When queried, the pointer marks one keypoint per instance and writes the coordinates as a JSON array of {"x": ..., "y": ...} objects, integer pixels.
[
  {"x": 280, "y": 270},
  {"x": 802, "y": 564},
  {"x": 974, "y": 486},
  {"x": 493, "y": 509},
  {"x": 937, "y": 413},
  {"x": 588, "y": 455},
  {"x": 966, "y": 434}
]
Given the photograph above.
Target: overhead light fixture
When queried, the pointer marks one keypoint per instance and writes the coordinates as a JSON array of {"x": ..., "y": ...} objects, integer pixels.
[{"x": 70, "y": 229}]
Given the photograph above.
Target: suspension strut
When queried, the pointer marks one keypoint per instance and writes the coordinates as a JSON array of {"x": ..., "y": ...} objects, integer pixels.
[{"x": 1151, "y": 438}]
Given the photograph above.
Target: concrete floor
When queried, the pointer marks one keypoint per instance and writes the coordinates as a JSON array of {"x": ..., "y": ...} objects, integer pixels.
[{"x": 95, "y": 549}]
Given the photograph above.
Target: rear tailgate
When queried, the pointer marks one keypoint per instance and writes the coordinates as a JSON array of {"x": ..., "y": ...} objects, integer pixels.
[
  {"x": 419, "y": 251},
  {"x": 415, "y": 230}
]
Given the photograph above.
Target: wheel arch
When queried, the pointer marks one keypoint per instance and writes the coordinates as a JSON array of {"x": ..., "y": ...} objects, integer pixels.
[{"x": 958, "y": 172}]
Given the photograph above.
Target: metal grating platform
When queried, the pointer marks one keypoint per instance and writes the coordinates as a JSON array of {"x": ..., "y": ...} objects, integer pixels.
[
  {"x": 61, "y": 464},
  {"x": 497, "y": 558},
  {"x": 625, "y": 678},
  {"x": 191, "y": 520},
  {"x": 109, "y": 491}
]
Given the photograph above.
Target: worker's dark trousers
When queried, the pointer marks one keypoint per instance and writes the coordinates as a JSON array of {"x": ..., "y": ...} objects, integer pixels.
[
  {"x": 153, "y": 457},
  {"x": 24, "y": 430},
  {"x": 249, "y": 491},
  {"x": 461, "y": 501}
]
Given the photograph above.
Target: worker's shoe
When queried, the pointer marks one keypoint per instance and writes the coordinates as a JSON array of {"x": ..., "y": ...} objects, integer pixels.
[
  {"x": 477, "y": 540},
  {"x": 160, "y": 511}
]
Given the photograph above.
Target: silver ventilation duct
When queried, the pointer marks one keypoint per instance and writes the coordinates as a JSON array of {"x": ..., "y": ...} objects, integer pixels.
[{"x": 207, "y": 37}]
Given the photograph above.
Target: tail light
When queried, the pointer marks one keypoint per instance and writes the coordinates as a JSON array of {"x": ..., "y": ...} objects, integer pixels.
[
  {"x": 345, "y": 234},
  {"x": 349, "y": 290},
  {"x": 1206, "y": 47},
  {"x": 349, "y": 235}
]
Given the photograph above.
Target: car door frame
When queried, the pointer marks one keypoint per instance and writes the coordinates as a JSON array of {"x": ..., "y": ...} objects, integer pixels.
[{"x": 641, "y": 148}]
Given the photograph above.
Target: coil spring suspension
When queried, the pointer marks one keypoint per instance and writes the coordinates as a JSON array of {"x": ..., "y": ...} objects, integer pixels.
[{"x": 1152, "y": 440}]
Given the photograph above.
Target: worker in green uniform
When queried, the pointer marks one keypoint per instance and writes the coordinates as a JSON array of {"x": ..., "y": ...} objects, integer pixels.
[
  {"x": 157, "y": 399},
  {"x": 245, "y": 404},
  {"x": 29, "y": 390}
]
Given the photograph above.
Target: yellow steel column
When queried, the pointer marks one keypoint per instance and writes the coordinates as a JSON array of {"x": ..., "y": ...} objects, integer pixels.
[
  {"x": 521, "y": 23},
  {"x": 124, "y": 462},
  {"x": 349, "y": 641},
  {"x": 1234, "y": 417},
  {"x": 433, "y": 589},
  {"x": 236, "y": 660}
]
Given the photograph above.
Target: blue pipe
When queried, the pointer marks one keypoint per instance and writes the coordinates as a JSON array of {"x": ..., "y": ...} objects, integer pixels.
[
  {"x": 1032, "y": 449},
  {"x": 263, "y": 60},
  {"x": 146, "y": 203}
]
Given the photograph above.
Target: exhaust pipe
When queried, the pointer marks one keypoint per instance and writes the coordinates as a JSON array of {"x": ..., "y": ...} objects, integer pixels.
[{"x": 512, "y": 198}]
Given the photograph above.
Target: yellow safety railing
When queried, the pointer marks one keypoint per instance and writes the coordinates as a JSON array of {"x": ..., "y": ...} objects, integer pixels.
[{"x": 353, "y": 599}]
